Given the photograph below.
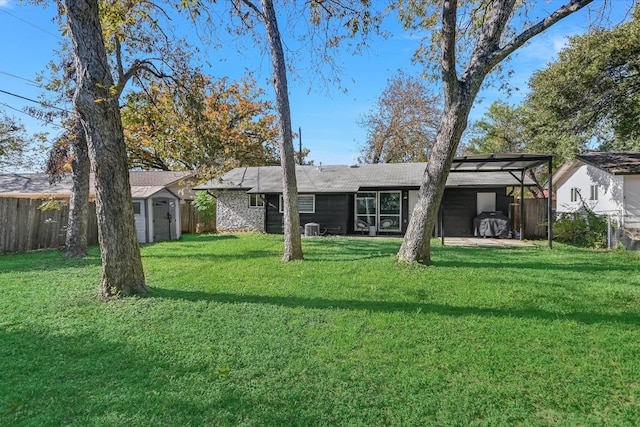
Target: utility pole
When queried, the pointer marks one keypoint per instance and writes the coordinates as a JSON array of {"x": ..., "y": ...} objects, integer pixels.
[{"x": 300, "y": 145}]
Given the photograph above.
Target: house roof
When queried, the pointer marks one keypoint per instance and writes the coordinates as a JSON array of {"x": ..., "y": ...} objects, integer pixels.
[
  {"x": 616, "y": 163},
  {"x": 350, "y": 179},
  {"x": 36, "y": 185}
]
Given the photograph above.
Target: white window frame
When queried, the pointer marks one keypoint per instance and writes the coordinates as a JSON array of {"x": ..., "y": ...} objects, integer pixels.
[
  {"x": 593, "y": 193},
  {"x": 139, "y": 204},
  {"x": 313, "y": 202},
  {"x": 377, "y": 214},
  {"x": 575, "y": 194},
  {"x": 259, "y": 201}
]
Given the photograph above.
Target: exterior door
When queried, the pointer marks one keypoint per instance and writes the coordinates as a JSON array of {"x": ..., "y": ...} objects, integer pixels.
[
  {"x": 486, "y": 203},
  {"x": 163, "y": 219},
  {"x": 381, "y": 210}
]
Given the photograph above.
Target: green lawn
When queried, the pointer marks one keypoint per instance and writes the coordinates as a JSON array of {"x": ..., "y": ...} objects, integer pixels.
[{"x": 232, "y": 336}]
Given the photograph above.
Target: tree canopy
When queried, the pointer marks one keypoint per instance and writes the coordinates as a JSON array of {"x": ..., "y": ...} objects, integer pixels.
[
  {"x": 205, "y": 124},
  {"x": 500, "y": 131},
  {"x": 402, "y": 125},
  {"x": 589, "y": 98},
  {"x": 13, "y": 141}
]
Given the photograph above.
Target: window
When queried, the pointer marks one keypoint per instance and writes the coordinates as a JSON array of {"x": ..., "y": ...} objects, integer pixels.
[
  {"x": 575, "y": 194},
  {"x": 366, "y": 210},
  {"x": 306, "y": 203},
  {"x": 256, "y": 201},
  {"x": 390, "y": 207},
  {"x": 594, "y": 193},
  {"x": 379, "y": 209},
  {"x": 137, "y": 208}
]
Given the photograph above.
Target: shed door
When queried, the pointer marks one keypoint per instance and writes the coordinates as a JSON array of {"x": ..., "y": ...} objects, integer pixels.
[
  {"x": 163, "y": 219},
  {"x": 486, "y": 202}
]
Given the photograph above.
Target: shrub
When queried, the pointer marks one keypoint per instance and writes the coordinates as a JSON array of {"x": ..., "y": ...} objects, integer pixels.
[{"x": 583, "y": 228}]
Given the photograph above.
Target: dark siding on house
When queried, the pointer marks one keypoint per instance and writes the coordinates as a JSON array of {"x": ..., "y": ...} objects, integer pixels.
[
  {"x": 336, "y": 211},
  {"x": 332, "y": 213},
  {"x": 460, "y": 206}
]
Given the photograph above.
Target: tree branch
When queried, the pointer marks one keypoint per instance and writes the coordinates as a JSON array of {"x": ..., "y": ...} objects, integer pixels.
[
  {"x": 448, "y": 60},
  {"x": 566, "y": 10}
]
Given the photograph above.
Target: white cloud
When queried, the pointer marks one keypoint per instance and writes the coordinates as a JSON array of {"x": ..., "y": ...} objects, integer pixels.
[{"x": 4, "y": 3}]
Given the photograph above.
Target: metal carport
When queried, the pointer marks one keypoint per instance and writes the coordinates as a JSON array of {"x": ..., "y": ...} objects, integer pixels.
[{"x": 516, "y": 165}]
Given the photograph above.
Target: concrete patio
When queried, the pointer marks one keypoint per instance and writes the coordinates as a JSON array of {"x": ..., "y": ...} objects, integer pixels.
[{"x": 487, "y": 242}]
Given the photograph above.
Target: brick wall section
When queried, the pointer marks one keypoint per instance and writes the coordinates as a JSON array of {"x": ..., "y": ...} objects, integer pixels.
[{"x": 234, "y": 214}]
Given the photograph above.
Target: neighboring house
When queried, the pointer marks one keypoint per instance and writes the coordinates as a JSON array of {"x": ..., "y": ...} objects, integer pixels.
[
  {"x": 608, "y": 183},
  {"x": 367, "y": 198},
  {"x": 156, "y": 198}
]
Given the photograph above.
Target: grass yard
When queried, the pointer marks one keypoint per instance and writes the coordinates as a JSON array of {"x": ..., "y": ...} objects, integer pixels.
[{"x": 230, "y": 336}]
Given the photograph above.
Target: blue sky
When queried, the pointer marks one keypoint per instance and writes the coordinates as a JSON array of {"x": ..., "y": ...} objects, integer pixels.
[{"x": 328, "y": 117}]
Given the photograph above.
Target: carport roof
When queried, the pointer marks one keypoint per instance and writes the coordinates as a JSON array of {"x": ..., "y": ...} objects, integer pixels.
[{"x": 499, "y": 162}]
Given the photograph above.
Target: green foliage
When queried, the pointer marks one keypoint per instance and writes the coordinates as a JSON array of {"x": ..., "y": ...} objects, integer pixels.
[
  {"x": 52, "y": 204},
  {"x": 13, "y": 143},
  {"x": 205, "y": 204},
  {"x": 589, "y": 97},
  {"x": 500, "y": 131},
  {"x": 585, "y": 229},
  {"x": 232, "y": 336},
  {"x": 204, "y": 124}
]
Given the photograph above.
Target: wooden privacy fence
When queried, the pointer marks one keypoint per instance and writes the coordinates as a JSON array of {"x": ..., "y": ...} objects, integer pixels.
[
  {"x": 191, "y": 219},
  {"x": 24, "y": 226},
  {"x": 535, "y": 217}
]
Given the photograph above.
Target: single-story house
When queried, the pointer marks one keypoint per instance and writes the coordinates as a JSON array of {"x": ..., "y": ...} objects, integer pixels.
[
  {"x": 607, "y": 182},
  {"x": 156, "y": 197},
  {"x": 369, "y": 198}
]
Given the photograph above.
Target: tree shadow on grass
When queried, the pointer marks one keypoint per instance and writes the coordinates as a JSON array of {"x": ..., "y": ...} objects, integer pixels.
[
  {"x": 81, "y": 379},
  {"x": 49, "y": 260},
  {"x": 395, "y": 307},
  {"x": 349, "y": 249}
]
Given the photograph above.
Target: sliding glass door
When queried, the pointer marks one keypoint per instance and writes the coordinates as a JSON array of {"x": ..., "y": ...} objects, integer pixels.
[
  {"x": 381, "y": 209},
  {"x": 366, "y": 210},
  {"x": 390, "y": 211}
]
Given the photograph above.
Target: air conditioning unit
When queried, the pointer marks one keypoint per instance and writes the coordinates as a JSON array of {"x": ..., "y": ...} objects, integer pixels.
[{"x": 312, "y": 229}]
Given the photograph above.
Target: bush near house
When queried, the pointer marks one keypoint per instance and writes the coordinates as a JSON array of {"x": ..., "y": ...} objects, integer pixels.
[
  {"x": 585, "y": 229},
  {"x": 232, "y": 336}
]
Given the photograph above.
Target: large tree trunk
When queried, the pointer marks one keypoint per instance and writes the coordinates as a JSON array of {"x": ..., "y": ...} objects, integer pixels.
[
  {"x": 292, "y": 241},
  {"x": 96, "y": 102},
  {"x": 459, "y": 95},
  {"x": 416, "y": 245},
  {"x": 76, "y": 238}
]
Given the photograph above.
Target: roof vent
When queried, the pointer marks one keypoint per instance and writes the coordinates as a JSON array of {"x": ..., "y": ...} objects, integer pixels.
[
  {"x": 320, "y": 167},
  {"x": 354, "y": 166}
]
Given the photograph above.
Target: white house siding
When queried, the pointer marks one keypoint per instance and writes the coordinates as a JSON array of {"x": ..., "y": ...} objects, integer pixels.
[
  {"x": 141, "y": 222},
  {"x": 632, "y": 201},
  {"x": 234, "y": 214},
  {"x": 610, "y": 191}
]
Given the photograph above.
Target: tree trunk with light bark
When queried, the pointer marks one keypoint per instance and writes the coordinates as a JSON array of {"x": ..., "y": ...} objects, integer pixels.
[
  {"x": 459, "y": 96},
  {"x": 76, "y": 237},
  {"x": 96, "y": 101},
  {"x": 292, "y": 239}
]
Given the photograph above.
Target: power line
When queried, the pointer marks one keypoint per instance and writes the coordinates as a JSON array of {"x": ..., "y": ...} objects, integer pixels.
[
  {"x": 50, "y": 123},
  {"x": 33, "y": 25},
  {"x": 21, "y": 78},
  {"x": 35, "y": 101}
]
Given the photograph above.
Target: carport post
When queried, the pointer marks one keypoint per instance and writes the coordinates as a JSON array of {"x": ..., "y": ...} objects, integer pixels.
[
  {"x": 441, "y": 221},
  {"x": 550, "y": 206},
  {"x": 522, "y": 204}
]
